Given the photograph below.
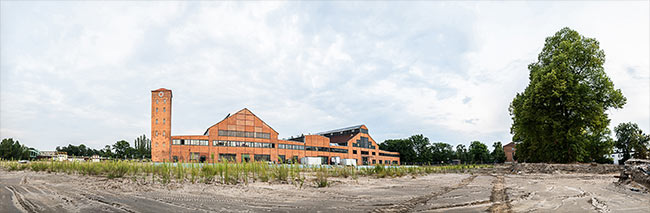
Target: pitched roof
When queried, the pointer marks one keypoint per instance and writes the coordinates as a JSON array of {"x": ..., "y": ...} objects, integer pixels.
[{"x": 227, "y": 116}]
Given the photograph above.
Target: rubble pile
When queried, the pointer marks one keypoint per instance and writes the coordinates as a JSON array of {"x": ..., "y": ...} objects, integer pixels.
[
  {"x": 636, "y": 170},
  {"x": 592, "y": 168}
]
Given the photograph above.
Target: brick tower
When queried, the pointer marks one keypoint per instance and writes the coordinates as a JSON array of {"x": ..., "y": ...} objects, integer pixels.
[{"x": 161, "y": 125}]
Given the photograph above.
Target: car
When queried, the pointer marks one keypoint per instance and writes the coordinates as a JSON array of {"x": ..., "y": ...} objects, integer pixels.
[{"x": 23, "y": 161}]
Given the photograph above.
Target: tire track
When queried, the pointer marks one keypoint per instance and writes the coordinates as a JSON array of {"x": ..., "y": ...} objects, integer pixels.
[
  {"x": 499, "y": 197},
  {"x": 408, "y": 205},
  {"x": 22, "y": 202}
]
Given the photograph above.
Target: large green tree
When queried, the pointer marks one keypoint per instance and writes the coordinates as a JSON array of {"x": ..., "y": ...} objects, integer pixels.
[
  {"x": 403, "y": 146},
  {"x": 122, "y": 149},
  {"x": 461, "y": 153},
  {"x": 479, "y": 153},
  {"x": 560, "y": 116},
  {"x": 630, "y": 139},
  {"x": 498, "y": 155},
  {"x": 10, "y": 149},
  {"x": 441, "y": 152}
]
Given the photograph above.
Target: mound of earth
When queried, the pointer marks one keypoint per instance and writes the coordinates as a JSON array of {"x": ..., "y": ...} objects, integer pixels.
[
  {"x": 636, "y": 171},
  {"x": 545, "y": 168}
]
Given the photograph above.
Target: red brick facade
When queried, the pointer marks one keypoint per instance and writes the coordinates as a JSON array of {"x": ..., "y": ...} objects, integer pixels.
[
  {"x": 161, "y": 125},
  {"x": 510, "y": 149},
  {"x": 243, "y": 136}
]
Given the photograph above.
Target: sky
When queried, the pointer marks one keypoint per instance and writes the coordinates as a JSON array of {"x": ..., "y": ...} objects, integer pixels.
[{"x": 82, "y": 72}]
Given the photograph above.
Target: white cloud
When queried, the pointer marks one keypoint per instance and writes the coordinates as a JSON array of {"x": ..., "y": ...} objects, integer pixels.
[{"x": 81, "y": 72}]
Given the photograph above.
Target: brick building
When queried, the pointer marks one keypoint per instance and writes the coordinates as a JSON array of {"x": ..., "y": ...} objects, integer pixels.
[
  {"x": 510, "y": 149},
  {"x": 243, "y": 136}
]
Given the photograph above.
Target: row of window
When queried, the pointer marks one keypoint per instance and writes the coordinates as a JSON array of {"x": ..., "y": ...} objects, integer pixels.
[
  {"x": 164, "y": 101},
  {"x": 190, "y": 142},
  {"x": 195, "y": 156},
  {"x": 163, "y": 133},
  {"x": 164, "y": 110},
  {"x": 243, "y": 144},
  {"x": 389, "y": 155},
  {"x": 291, "y": 146},
  {"x": 157, "y": 121},
  {"x": 269, "y": 145},
  {"x": 244, "y": 134}
]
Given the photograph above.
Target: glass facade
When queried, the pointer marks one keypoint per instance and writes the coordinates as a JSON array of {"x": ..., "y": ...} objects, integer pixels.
[
  {"x": 244, "y": 134},
  {"x": 190, "y": 142},
  {"x": 291, "y": 146},
  {"x": 262, "y": 157},
  {"x": 242, "y": 144}
]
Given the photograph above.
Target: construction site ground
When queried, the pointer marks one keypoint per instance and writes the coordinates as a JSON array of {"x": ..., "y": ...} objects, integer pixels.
[{"x": 498, "y": 190}]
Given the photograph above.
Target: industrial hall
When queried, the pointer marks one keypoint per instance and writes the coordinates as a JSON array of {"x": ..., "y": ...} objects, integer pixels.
[{"x": 244, "y": 137}]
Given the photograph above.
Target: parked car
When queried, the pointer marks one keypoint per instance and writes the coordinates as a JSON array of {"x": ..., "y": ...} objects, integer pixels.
[{"x": 23, "y": 161}]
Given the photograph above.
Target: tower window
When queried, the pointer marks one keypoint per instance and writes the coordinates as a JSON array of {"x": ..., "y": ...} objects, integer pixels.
[
  {"x": 156, "y": 101},
  {"x": 156, "y": 132},
  {"x": 164, "y": 100},
  {"x": 163, "y": 109},
  {"x": 163, "y": 121},
  {"x": 156, "y": 121},
  {"x": 156, "y": 109},
  {"x": 163, "y": 135}
]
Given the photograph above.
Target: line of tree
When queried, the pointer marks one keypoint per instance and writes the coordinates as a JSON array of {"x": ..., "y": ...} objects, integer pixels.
[
  {"x": 10, "y": 149},
  {"x": 121, "y": 149},
  {"x": 417, "y": 149}
]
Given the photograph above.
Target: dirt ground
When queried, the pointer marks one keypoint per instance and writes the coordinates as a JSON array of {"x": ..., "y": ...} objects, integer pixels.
[{"x": 495, "y": 191}]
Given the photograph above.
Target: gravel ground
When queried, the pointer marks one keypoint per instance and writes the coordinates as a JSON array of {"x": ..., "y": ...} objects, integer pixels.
[{"x": 494, "y": 191}]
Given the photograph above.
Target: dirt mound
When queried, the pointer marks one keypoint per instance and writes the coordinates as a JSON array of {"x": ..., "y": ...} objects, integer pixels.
[
  {"x": 638, "y": 171},
  {"x": 592, "y": 168}
]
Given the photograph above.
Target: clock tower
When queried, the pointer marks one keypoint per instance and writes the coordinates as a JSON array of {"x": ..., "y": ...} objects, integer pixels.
[{"x": 161, "y": 125}]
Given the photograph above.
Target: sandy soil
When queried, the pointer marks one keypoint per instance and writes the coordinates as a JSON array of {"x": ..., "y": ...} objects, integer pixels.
[{"x": 496, "y": 192}]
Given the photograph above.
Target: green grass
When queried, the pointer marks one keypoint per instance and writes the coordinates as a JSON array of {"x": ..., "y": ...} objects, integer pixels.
[{"x": 228, "y": 172}]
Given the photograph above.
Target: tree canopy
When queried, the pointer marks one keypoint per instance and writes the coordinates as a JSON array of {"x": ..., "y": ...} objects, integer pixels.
[
  {"x": 10, "y": 149},
  {"x": 498, "y": 155},
  {"x": 630, "y": 139},
  {"x": 479, "y": 153},
  {"x": 560, "y": 116}
]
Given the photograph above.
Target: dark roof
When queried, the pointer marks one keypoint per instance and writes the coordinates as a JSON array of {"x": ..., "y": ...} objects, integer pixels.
[{"x": 341, "y": 129}]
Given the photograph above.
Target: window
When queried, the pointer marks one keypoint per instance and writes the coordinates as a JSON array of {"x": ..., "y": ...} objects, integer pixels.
[
  {"x": 389, "y": 155},
  {"x": 281, "y": 159},
  {"x": 156, "y": 121},
  {"x": 354, "y": 152},
  {"x": 262, "y": 157},
  {"x": 374, "y": 161},
  {"x": 379, "y": 161},
  {"x": 164, "y": 100},
  {"x": 227, "y": 157},
  {"x": 156, "y": 101},
  {"x": 373, "y": 153},
  {"x": 163, "y": 109},
  {"x": 323, "y": 149},
  {"x": 156, "y": 132},
  {"x": 176, "y": 142},
  {"x": 364, "y": 152},
  {"x": 163, "y": 133},
  {"x": 244, "y": 134},
  {"x": 156, "y": 109},
  {"x": 163, "y": 121}
]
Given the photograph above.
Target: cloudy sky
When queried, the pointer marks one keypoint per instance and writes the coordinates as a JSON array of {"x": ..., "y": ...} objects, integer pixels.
[{"x": 82, "y": 72}]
